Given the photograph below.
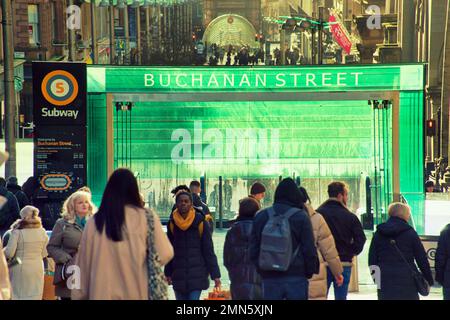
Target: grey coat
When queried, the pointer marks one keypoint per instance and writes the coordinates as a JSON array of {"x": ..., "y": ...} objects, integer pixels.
[{"x": 62, "y": 247}]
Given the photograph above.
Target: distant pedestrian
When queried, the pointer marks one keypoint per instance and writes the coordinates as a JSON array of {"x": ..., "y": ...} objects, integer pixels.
[
  {"x": 9, "y": 211},
  {"x": 245, "y": 280},
  {"x": 326, "y": 250},
  {"x": 113, "y": 256},
  {"x": 394, "y": 242},
  {"x": 194, "y": 258},
  {"x": 347, "y": 232},
  {"x": 13, "y": 187},
  {"x": 442, "y": 262},
  {"x": 257, "y": 192},
  {"x": 66, "y": 236},
  {"x": 284, "y": 251},
  {"x": 195, "y": 189},
  {"x": 26, "y": 250}
]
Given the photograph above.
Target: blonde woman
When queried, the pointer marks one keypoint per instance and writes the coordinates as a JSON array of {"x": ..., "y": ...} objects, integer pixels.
[
  {"x": 66, "y": 237},
  {"x": 27, "y": 245}
]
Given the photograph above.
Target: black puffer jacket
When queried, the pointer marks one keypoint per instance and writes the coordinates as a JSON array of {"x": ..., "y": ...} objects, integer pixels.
[
  {"x": 194, "y": 257},
  {"x": 245, "y": 280},
  {"x": 16, "y": 190},
  {"x": 442, "y": 262},
  {"x": 347, "y": 230},
  {"x": 396, "y": 278},
  {"x": 10, "y": 210}
]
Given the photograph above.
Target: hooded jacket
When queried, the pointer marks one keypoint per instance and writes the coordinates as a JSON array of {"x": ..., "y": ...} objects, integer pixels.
[
  {"x": 346, "y": 228},
  {"x": 306, "y": 262},
  {"x": 245, "y": 280},
  {"x": 442, "y": 262},
  {"x": 10, "y": 211},
  {"x": 396, "y": 281},
  {"x": 194, "y": 257}
]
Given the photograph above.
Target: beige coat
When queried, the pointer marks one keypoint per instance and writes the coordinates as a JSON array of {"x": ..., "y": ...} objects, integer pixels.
[
  {"x": 5, "y": 286},
  {"x": 29, "y": 244},
  {"x": 328, "y": 256},
  {"x": 118, "y": 270}
]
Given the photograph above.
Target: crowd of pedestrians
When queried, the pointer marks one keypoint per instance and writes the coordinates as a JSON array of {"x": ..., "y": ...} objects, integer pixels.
[{"x": 288, "y": 250}]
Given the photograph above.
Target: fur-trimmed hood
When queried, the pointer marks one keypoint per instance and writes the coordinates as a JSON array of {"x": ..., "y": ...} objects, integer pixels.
[{"x": 33, "y": 223}]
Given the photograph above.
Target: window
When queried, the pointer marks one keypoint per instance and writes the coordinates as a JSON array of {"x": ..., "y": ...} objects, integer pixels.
[
  {"x": 33, "y": 24},
  {"x": 54, "y": 26}
]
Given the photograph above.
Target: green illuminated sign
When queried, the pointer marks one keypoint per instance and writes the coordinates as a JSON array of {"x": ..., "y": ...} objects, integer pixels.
[{"x": 332, "y": 78}]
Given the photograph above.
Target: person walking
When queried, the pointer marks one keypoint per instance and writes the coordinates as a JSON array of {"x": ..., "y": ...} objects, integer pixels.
[
  {"x": 394, "y": 249},
  {"x": 195, "y": 189},
  {"x": 291, "y": 282},
  {"x": 194, "y": 257},
  {"x": 9, "y": 211},
  {"x": 257, "y": 192},
  {"x": 13, "y": 187},
  {"x": 113, "y": 256},
  {"x": 66, "y": 236},
  {"x": 326, "y": 250},
  {"x": 347, "y": 232},
  {"x": 5, "y": 285},
  {"x": 245, "y": 279},
  {"x": 26, "y": 250},
  {"x": 442, "y": 262}
]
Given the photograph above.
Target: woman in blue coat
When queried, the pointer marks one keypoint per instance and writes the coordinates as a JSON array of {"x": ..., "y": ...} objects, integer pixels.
[
  {"x": 396, "y": 281},
  {"x": 245, "y": 280}
]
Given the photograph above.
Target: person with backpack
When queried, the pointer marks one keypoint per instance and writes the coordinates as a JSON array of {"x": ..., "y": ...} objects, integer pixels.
[
  {"x": 326, "y": 250},
  {"x": 195, "y": 189},
  {"x": 245, "y": 279},
  {"x": 13, "y": 187},
  {"x": 442, "y": 262},
  {"x": 194, "y": 257},
  {"x": 347, "y": 232},
  {"x": 283, "y": 247},
  {"x": 394, "y": 251}
]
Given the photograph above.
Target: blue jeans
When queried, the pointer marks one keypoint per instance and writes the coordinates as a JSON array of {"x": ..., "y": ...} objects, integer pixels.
[
  {"x": 446, "y": 292},
  {"x": 193, "y": 295},
  {"x": 340, "y": 293},
  {"x": 286, "y": 288}
]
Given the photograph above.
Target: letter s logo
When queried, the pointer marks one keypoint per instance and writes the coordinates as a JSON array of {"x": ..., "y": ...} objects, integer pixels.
[{"x": 59, "y": 87}]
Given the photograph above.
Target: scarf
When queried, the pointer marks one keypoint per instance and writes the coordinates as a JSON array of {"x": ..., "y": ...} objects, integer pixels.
[
  {"x": 80, "y": 221},
  {"x": 184, "y": 223}
]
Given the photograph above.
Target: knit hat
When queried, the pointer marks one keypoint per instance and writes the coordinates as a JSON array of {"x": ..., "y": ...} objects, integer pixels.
[
  {"x": 248, "y": 207},
  {"x": 28, "y": 211},
  {"x": 257, "y": 188}
]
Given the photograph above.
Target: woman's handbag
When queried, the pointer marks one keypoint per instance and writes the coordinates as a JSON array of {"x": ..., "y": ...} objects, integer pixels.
[
  {"x": 157, "y": 284},
  {"x": 422, "y": 284}
]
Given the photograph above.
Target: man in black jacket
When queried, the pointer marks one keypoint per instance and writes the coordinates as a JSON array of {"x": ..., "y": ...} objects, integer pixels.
[
  {"x": 291, "y": 284},
  {"x": 442, "y": 262},
  {"x": 9, "y": 212},
  {"x": 347, "y": 231},
  {"x": 16, "y": 190}
]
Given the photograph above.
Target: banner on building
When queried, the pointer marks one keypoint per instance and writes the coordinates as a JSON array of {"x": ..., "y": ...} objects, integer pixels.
[{"x": 339, "y": 32}]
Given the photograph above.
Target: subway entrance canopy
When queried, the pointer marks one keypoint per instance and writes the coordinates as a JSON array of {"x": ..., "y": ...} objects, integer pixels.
[{"x": 234, "y": 126}]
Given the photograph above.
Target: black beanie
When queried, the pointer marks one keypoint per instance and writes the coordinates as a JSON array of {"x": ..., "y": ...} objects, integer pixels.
[
  {"x": 288, "y": 193},
  {"x": 257, "y": 188},
  {"x": 248, "y": 207}
]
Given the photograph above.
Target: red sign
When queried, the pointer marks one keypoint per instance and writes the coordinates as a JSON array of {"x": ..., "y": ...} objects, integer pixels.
[{"x": 340, "y": 34}]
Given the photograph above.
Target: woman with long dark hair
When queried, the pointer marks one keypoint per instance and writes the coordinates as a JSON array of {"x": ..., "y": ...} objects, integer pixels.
[{"x": 113, "y": 250}]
